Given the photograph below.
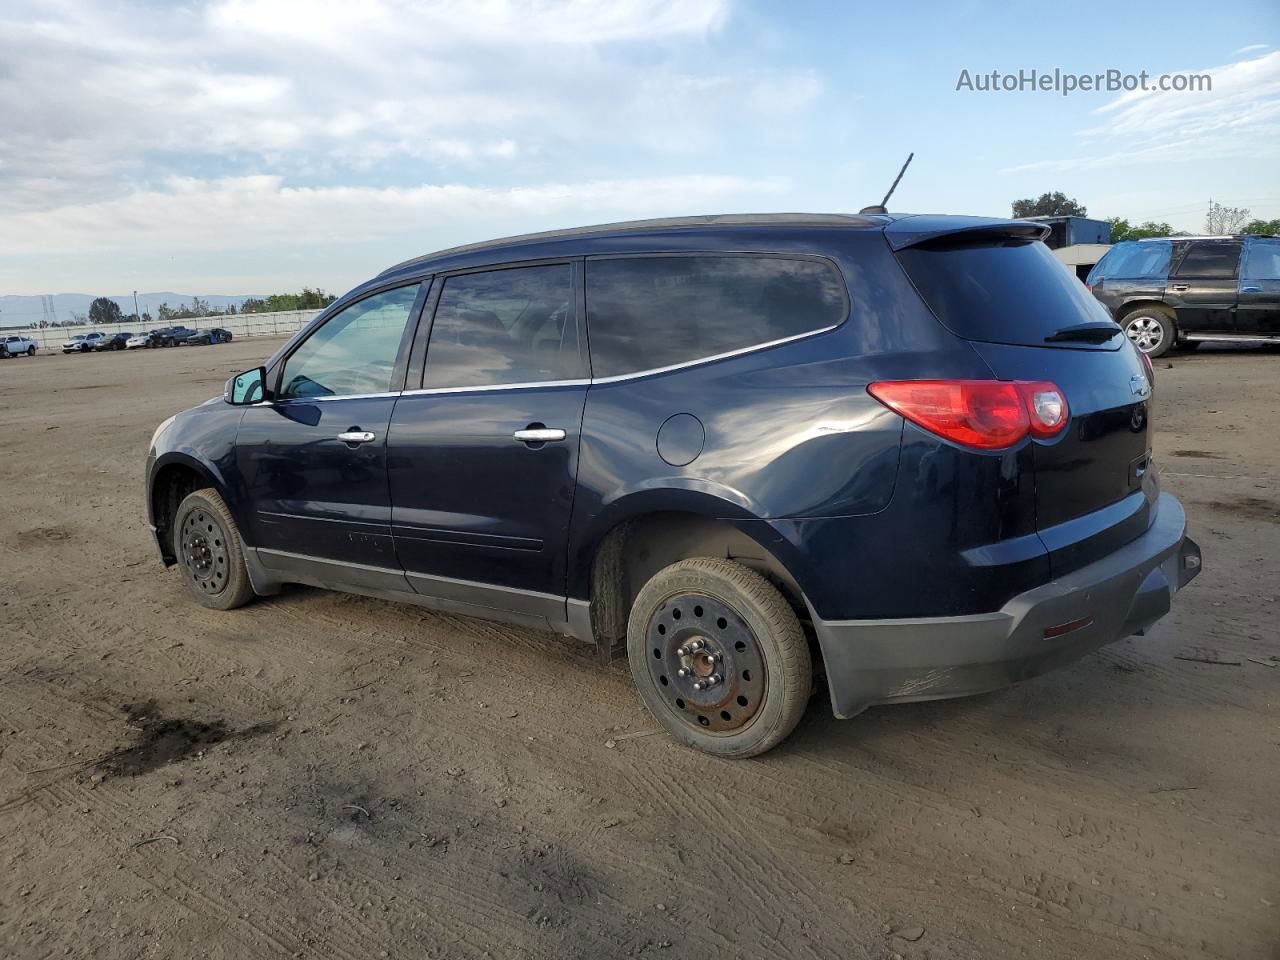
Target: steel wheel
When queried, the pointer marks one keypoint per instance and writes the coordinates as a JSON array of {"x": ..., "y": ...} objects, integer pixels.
[
  {"x": 205, "y": 553},
  {"x": 718, "y": 657},
  {"x": 706, "y": 663}
]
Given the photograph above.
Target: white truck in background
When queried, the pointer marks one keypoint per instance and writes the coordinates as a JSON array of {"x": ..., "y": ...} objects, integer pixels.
[{"x": 16, "y": 346}]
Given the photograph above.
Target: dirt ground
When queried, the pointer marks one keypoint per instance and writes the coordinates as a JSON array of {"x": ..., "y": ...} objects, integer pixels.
[{"x": 320, "y": 775}]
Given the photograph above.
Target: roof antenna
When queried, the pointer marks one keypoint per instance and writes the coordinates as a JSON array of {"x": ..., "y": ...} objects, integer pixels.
[{"x": 880, "y": 208}]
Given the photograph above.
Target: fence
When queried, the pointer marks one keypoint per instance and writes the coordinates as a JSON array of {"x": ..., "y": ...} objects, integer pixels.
[{"x": 241, "y": 325}]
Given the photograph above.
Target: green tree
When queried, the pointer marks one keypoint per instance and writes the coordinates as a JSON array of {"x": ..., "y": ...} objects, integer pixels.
[
  {"x": 104, "y": 310},
  {"x": 1056, "y": 204},
  {"x": 1263, "y": 227},
  {"x": 1121, "y": 230}
]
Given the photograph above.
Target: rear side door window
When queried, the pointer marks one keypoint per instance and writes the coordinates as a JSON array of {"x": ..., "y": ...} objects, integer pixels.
[
  {"x": 1214, "y": 260},
  {"x": 502, "y": 327},
  {"x": 650, "y": 312}
]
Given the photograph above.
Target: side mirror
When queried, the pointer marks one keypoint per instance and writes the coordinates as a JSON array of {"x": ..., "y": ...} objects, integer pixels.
[{"x": 246, "y": 388}]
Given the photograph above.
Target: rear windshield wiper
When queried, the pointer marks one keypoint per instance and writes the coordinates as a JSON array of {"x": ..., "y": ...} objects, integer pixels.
[{"x": 1084, "y": 333}]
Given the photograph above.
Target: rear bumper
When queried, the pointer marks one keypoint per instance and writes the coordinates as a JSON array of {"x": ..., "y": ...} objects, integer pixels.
[{"x": 882, "y": 661}]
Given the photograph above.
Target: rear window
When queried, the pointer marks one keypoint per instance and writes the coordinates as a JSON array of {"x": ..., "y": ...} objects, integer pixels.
[
  {"x": 644, "y": 313},
  {"x": 1001, "y": 291},
  {"x": 1149, "y": 258}
]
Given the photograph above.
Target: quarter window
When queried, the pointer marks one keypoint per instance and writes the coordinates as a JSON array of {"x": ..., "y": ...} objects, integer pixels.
[
  {"x": 354, "y": 352},
  {"x": 504, "y": 326},
  {"x": 650, "y": 312},
  {"x": 1210, "y": 261}
]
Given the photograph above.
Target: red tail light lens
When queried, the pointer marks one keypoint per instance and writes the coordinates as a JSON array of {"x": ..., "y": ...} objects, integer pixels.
[
  {"x": 1149, "y": 369},
  {"x": 982, "y": 414}
]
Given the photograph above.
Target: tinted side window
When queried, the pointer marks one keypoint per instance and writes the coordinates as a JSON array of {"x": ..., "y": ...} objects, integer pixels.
[
  {"x": 651, "y": 312},
  {"x": 504, "y": 326},
  {"x": 1134, "y": 259},
  {"x": 354, "y": 352},
  {"x": 1261, "y": 260},
  {"x": 1210, "y": 261}
]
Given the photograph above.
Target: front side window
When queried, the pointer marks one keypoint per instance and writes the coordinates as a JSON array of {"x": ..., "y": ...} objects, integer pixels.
[
  {"x": 1261, "y": 260},
  {"x": 1210, "y": 261},
  {"x": 354, "y": 352},
  {"x": 644, "y": 313},
  {"x": 504, "y": 326}
]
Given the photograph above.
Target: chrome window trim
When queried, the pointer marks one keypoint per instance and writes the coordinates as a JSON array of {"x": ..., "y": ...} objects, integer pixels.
[
  {"x": 718, "y": 356},
  {"x": 341, "y": 396},
  {"x": 582, "y": 382},
  {"x": 526, "y": 385}
]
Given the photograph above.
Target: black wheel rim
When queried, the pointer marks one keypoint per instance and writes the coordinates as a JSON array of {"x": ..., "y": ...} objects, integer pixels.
[
  {"x": 205, "y": 554},
  {"x": 706, "y": 663}
]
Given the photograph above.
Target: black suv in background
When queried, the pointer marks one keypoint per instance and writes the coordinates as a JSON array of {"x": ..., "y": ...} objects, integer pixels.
[{"x": 1180, "y": 292}]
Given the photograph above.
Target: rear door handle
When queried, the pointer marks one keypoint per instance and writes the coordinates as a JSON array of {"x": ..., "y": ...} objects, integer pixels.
[
  {"x": 356, "y": 436},
  {"x": 1250, "y": 289},
  {"x": 539, "y": 435},
  {"x": 1180, "y": 288}
]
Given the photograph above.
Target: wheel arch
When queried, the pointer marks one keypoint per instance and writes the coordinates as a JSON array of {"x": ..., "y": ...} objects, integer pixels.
[
  {"x": 644, "y": 534},
  {"x": 173, "y": 476}
]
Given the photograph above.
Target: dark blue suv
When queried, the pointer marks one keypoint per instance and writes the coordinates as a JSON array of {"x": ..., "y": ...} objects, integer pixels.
[{"x": 911, "y": 452}]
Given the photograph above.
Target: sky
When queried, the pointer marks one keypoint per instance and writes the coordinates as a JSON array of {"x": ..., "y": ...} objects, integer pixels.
[{"x": 252, "y": 146}]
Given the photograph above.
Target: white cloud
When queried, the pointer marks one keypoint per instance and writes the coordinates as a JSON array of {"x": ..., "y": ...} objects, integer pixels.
[
  {"x": 1254, "y": 47},
  {"x": 224, "y": 125},
  {"x": 1238, "y": 118},
  {"x": 261, "y": 212},
  {"x": 98, "y": 99}
]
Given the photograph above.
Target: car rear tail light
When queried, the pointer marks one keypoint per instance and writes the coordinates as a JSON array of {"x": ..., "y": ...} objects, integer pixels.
[
  {"x": 1148, "y": 368},
  {"x": 981, "y": 414}
]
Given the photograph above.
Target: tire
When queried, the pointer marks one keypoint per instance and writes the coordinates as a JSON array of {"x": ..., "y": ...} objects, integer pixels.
[
  {"x": 750, "y": 638},
  {"x": 1151, "y": 328},
  {"x": 210, "y": 552},
  {"x": 31, "y": 351}
]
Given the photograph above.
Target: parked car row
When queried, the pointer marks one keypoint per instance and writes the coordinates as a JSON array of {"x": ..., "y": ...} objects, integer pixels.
[{"x": 164, "y": 337}]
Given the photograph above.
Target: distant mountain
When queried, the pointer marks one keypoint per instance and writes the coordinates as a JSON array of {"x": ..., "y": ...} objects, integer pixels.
[{"x": 18, "y": 311}]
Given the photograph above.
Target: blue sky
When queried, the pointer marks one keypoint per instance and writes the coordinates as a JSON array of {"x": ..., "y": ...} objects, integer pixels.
[{"x": 242, "y": 146}]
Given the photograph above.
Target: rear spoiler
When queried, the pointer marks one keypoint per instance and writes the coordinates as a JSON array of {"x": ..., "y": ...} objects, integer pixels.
[{"x": 912, "y": 231}]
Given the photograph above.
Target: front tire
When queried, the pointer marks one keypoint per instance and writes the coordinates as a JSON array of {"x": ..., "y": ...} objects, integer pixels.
[
  {"x": 31, "y": 351},
  {"x": 1151, "y": 329},
  {"x": 210, "y": 552},
  {"x": 719, "y": 657}
]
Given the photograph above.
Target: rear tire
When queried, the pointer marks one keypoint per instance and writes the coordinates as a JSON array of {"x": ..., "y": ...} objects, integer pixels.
[
  {"x": 707, "y": 619},
  {"x": 1151, "y": 328},
  {"x": 210, "y": 552}
]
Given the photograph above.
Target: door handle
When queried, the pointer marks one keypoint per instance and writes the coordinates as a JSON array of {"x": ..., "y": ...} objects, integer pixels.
[
  {"x": 1250, "y": 289},
  {"x": 1179, "y": 288},
  {"x": 539, "y": 435},
  {"x": 356, "y": 436}
]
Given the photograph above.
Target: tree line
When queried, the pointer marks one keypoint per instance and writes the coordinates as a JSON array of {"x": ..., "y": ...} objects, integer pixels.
[
  {"x": 104, "y": 310},
  {"x": 1219, "y": 220}
]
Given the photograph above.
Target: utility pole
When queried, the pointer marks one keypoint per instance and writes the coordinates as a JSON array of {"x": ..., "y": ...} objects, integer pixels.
[{"x": 136, "y": 315}]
